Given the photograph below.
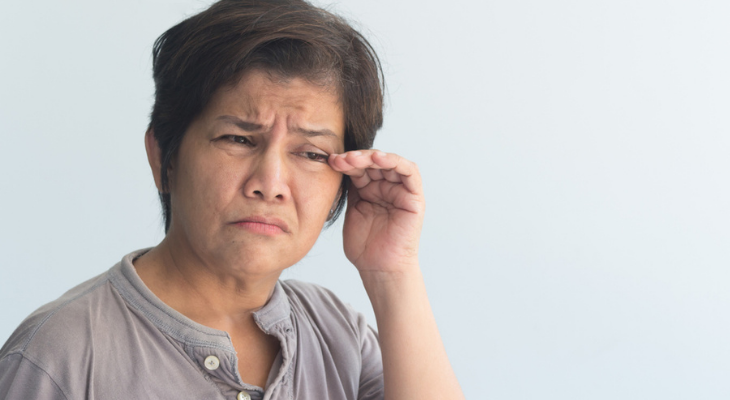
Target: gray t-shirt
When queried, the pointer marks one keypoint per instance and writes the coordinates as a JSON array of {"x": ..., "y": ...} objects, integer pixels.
[{"x": 111, "y": 338}]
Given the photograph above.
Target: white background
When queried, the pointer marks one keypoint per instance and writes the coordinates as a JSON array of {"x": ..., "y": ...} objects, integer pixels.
[{"x": 575, "y": 157}]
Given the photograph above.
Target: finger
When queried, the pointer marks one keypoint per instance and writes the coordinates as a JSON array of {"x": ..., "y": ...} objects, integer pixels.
[
  {"x": 390, "y": 196},
  {"x": 355, "y": 160},
  {"x": 360, "y": 181},
  {"x": 391, "y": 176},
  {"x": 358, "y": 176},
  {"x": 375, "y": 174},
  {"x": 344, "y": 163},
  {"x": 400, "y": 169},
  {"x": 355, "y": 164},
  {"x": 339, "y": 163},
  {"x": 352, "y": 162}
]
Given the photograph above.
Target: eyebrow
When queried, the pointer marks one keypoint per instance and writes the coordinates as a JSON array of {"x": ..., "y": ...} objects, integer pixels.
[
  {"x": 253, "y": 127},
  {"x": 313, "y": 133}
]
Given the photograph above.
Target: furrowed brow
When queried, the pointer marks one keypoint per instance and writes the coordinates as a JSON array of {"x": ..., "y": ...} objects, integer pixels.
[
  {"x": 244, "y": 125},
  {"x": 254, "y": 127}
]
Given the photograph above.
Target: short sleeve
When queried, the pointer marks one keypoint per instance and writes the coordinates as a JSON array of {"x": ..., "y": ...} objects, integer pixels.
[
  {"x": 21, "y": 379},
  {"x": 371, "y": 374}
]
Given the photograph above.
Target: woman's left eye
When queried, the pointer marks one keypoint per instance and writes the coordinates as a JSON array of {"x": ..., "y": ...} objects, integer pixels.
[{"x": 315, "y": 156}]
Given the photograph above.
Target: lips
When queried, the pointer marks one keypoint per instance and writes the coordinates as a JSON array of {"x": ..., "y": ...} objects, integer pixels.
[{"x": 264, "y": 223}]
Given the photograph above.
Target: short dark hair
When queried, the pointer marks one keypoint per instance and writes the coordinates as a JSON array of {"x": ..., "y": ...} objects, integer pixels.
[{"x": 287, "y": 38}]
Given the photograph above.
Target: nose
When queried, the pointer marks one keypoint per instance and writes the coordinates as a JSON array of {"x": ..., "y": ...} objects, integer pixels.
[{"x": 267, "y": 178}]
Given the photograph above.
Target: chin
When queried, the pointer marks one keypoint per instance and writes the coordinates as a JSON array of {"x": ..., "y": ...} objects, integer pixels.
[{"x": 260, "y": 261}]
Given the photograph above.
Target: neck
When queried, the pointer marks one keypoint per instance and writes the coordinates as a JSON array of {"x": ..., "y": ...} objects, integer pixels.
[{"x": 218, "y": 296}]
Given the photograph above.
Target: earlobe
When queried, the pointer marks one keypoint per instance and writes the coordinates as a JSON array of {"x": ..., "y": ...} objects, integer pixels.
[{"x": 154, "y": 157}]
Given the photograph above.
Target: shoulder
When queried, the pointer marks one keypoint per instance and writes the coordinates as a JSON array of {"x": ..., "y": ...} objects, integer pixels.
[
  {"x": 55, "y": 336},
  {"x": 313, "y": 297},
  {"x": 322, "y": 308},
  {"x": 62, "y": 331},
  {"x": 328, "y": 326}
]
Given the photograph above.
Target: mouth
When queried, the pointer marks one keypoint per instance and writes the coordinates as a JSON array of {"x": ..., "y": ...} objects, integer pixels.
[{"x": 263, "y": 225}]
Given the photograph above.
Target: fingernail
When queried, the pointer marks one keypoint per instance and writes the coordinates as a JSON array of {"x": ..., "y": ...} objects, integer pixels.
[
  {"x": 380, "y": 153},
  {"x": 356, "y": 153}
]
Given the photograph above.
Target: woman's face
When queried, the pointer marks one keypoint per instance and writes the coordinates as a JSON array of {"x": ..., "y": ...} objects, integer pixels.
[{"x": 251, "y": 187}]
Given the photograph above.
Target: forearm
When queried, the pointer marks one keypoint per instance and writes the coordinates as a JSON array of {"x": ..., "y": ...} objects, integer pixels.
[{"x": 414, "y": 358}]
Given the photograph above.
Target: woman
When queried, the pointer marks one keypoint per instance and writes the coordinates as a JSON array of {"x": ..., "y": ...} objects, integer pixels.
[{"x": 263, "y": 119}]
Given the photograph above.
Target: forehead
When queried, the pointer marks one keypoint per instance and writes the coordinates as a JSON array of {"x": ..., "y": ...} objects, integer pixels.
[{"x": 262, "y": 97}]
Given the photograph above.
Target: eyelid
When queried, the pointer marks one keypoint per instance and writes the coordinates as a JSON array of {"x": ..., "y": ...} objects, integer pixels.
[
  {"x": 323, "y": 154},
  {"x": 233, "y": 138},
  {"x": 313, "y": 148}
]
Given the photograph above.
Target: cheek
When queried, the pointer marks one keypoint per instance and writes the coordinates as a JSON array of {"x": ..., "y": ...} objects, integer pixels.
[
  {"x": 204, "y": 187},
  {"x": 317, "y": 195}
]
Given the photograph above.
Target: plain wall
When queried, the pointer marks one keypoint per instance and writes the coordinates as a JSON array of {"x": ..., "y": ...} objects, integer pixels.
[{"x": 575, "y": 157}]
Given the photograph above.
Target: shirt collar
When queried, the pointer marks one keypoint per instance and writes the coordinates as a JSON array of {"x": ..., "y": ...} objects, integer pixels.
[{"x": 124, "y": 277}]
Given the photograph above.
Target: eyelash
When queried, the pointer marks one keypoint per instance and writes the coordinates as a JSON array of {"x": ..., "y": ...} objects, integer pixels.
[
  {"x": 239, "y": 139},
  {"x": 318, "y": 157},
  {"x": 310, "y": 155}
]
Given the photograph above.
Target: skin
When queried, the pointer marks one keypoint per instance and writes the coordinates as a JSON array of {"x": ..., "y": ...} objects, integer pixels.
[
  {"x": 273, "y": 149},
  {"x": 382, "y": 228}
]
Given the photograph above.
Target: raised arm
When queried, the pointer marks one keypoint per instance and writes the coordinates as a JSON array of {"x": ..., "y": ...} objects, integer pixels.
[{"x": 381, "y": 234}]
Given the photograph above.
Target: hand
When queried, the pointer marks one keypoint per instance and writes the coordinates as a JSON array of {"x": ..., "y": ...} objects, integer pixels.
[{"x": 384, "y": 212}]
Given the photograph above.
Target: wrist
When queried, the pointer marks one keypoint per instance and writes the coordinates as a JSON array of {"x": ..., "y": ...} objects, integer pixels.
[
  {"x": 391, "y": 275},
  {"x": 389, "y": 288}
]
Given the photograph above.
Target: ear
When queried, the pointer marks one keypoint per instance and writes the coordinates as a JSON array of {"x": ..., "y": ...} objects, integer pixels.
[{"x": 154, "y": 157}]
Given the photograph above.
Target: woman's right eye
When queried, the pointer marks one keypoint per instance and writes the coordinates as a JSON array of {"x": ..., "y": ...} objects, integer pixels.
[{"x": 238, "y": 139}]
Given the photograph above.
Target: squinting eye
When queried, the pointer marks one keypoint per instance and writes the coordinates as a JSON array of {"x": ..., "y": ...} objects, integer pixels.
[
  {"x": 316, "y": 156},
  {"x": 238, "y": 139}
]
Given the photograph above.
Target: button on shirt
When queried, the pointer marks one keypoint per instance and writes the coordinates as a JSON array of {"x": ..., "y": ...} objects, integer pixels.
[
  {"x": 111, "y": 337},
  {"x": 212, "y": 363}
]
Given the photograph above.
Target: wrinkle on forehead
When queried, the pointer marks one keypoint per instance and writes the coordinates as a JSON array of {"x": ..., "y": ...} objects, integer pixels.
[
  {"x": 258, "y": 100},
  {"x": 327, "y": 82}
]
